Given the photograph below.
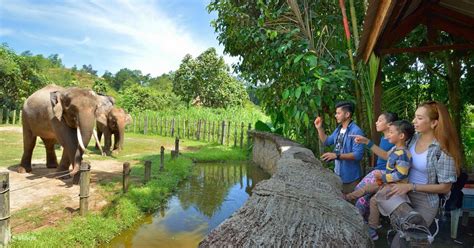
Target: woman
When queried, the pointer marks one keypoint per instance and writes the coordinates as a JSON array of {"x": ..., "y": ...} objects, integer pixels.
[
  {"x": 436, "y": 159},
  {"x": 363, "y": 203}
]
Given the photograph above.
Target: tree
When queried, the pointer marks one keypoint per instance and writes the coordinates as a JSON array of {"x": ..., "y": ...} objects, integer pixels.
[
  {"x": 293, "y": 53},
  {"x": 137, "y": 98},
  {"x": 88, "y": 69},
  {"x": 206, "y": 79}
]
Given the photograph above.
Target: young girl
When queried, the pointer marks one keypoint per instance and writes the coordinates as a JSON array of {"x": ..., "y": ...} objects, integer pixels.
[
  {"x": 363, "y": 203},
  {"x": 397, "y": 167}
]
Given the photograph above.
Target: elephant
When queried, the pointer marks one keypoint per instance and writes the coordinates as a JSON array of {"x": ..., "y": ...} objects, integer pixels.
[
  {"x": 114, "y": 124},
  {"x": 57, "y": 114}
]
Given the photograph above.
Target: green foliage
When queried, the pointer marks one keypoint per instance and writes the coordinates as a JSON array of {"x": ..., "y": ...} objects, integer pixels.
[
  {"x": 136, "y": 98},
  {"x": 100, "y": 86},
  {"x": 19, "y": 77},
  {"x": 206, "y": 81},
  {"x": 267, "y": 127},
  {"x": 301, "y": 68}
]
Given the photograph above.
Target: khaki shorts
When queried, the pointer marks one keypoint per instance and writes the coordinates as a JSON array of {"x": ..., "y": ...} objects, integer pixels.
[{"x": 349, "y": 187}]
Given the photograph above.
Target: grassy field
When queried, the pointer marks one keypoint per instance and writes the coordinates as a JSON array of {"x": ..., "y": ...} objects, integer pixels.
[{"x": 124, "y": 209}]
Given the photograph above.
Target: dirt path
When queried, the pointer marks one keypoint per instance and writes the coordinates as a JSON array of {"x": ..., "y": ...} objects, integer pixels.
[{"x": 39, "y": 199}]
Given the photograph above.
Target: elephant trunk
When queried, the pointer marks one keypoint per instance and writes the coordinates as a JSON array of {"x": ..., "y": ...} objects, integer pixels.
[{"x": 84, "y": 130}]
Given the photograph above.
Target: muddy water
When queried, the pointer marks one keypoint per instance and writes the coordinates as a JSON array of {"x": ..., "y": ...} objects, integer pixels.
[{"x": 207, "y": 198}]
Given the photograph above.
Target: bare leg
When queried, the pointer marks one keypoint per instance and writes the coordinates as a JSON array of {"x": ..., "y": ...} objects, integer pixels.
[{"x": 51, "y": 160}]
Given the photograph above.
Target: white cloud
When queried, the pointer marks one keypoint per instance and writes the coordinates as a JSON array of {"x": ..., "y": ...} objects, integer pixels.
[
  {"x": 136, "y": 35},
  {"x": 5, "y": 31}
]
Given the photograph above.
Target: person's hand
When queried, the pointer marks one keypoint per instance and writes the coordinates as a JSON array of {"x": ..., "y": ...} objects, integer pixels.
[
  {"x": 378, "y": 174},
  {"x": 318, "y": 122},
  {"x": 398, "y": 189},
  {"x": 359, "y": 139},
  {"x": 328, "y": 156}
]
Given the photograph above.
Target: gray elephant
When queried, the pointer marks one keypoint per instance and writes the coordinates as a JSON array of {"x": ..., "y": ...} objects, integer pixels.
[
  {"x": 114, "y": 124},
  {"x": 56, "y": 114}
]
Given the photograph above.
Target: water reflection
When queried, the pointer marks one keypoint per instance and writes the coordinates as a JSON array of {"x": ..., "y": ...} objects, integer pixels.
[{"x": 212, "y": 193}]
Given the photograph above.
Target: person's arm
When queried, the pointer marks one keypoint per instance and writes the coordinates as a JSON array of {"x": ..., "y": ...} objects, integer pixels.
[
  {"x": 318, "y": 123},
  {"x": 373, "y": 147},
  {"x": 399, "y": 173},
  {"x": 403, "y": 188}
]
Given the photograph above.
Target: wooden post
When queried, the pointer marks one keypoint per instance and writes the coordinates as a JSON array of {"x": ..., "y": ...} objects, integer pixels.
[
  {"x": 172, "y": 127},
  {"x": 166, "y": 126},
  {"x": 161, "y": 127},
  {"x": 242, "y": 135},
  {"x": 7, "y": 117},
  {"x": 147, "y": 171},
  {"x": 248, "y": 135},
  {"x": 179, "y": 127},
  {"x": 126, "y": 176},
  {"x": 228, "y": 133},
  {"x": 162, "y": 158},
  {"x": 223, "y": 133},
  {"x": 1, "y": 116},
  {"x": 235, "y": 134},
  {"x": 135, "y": 120},
  {"x": 5, "y": 229},
  {"x": 209, "y": 131},
  {"x": 14, "y": 117},
  {"x": 20, "y": 116},
  {"x": 175, "y": 153},
  {"x": 204, "y": 131},
  {"x": 213, "y": 129},
  {"x": 145, "y": 124},
  {"x": 84, "y": 188}
]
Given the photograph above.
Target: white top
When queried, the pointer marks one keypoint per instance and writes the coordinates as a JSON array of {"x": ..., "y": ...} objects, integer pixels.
[
  {"x": 337, "y": 162},
  {"x": 418, "y": 172}
]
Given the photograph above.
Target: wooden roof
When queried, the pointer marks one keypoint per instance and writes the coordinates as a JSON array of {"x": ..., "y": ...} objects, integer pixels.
[{"x": 388, "y": 21}]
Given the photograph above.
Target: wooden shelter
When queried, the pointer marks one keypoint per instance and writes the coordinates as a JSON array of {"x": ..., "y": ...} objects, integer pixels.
[{"x": 389, "y": 21}]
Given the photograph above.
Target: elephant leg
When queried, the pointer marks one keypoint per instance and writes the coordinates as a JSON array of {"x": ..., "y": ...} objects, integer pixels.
[
  {"x": 64, "y": 163},
  {"x": 29, "y": 142},
  {"x": 107, "y": 141},
  {"x": 51, "y": 160}
]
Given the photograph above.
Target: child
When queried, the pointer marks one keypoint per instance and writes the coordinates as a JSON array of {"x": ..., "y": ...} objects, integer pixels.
[{"x": 397, "y": 167}]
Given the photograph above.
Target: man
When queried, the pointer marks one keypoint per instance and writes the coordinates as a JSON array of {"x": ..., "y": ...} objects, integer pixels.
[{"x": 347, "y": 153}]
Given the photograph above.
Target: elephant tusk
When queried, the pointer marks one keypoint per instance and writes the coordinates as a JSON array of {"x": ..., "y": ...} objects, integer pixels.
[
  {"x": 79, "y": 139},
  {"x": 94, "y": 133}
]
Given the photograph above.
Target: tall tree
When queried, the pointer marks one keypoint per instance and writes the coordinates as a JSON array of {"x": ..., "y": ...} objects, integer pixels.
[{"x": 206, "y": 80}]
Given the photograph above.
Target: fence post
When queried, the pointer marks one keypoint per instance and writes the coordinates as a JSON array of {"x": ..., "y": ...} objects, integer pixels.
[
  {"x": 145, "y": 124},
  {"x": 241, "y": 135},
  {"x": 223, "y": 133},
  {"x": 135, "y": 120},
  {"x": 198, "y": 129},
  {"x": 147, "y": 170},
  {"x": 228, "y": 133},
  {"x": 7, "y": 117},
  {"x": 14, "y": 117},
  {"x": 179, "y": 127},
  {"x": 20, "y": 114},
  {"x": 213, "y": 129},
  {"x": 126, "y": 176},
  {"x": 1, "y": 116},
  {"x": 161, "y": 126},
  {"x": 162, "y": 158},
  {"x": 175, "y": 153},
  {"x": 235, "y": 134},
  {"x": 248, "y": 135},
  {"x": 172, "y": 127},
  {"x": 84, "y": 188},
  {"x": 5, "y": 229}
]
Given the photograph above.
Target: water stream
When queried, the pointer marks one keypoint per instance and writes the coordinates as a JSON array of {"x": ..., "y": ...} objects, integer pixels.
[{"x": 211, "y": 194}]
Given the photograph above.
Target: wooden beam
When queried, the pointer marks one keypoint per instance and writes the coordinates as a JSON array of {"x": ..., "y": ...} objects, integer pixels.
[
  {"x": 432, "y": 48},
  {"x": 406, "y": 25},
  {"x": 458, "y": 17},
  {"x": 451, "y": 27},
  {"x": 377, "y": 28}
]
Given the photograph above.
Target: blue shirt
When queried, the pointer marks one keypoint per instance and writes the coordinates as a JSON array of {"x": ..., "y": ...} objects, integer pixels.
[
  {"x": 350, "y": 170},
  {"x": 386, "y": 146}
]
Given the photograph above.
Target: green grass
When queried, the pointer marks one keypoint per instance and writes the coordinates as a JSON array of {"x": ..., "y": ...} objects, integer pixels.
[{"x": 125, "y": 209}]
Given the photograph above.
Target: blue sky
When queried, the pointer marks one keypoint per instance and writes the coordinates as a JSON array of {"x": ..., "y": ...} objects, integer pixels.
[{"x": 149, "y": 35}]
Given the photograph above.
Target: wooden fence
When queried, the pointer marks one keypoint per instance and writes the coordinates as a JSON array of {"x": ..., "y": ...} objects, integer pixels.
[
  {"x": 10, "y": 116},
  {"x": 222, "y": 132}
]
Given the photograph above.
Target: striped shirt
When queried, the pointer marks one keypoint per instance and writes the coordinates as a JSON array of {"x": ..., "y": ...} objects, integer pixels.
[
  {"x": 440, "y": 168},
  {"x": 398, "y": 164}
]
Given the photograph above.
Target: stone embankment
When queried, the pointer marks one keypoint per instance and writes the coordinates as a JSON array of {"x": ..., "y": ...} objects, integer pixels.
[{"x": 301, "y": 205}]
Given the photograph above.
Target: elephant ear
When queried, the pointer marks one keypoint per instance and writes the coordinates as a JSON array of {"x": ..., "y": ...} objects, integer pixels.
[{"x": 56, "y": 103}]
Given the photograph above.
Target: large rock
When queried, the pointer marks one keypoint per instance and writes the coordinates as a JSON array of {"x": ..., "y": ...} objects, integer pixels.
[{"x": 301, "y": 205}]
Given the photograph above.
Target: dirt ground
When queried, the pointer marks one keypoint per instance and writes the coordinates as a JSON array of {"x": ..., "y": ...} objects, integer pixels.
[{"x": 41, "y": 198}]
